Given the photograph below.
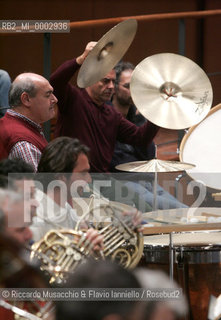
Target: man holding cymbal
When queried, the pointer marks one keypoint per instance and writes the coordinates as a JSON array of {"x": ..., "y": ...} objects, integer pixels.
[{"x": 84, "y": 114}]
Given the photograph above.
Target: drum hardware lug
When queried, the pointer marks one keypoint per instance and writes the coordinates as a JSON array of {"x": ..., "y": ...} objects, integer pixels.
[
  {"x": 180, "y": 176},
  {"x": 152, "y": 256},
  {"x": 177, "y": 180},
  {"x": 180, "y": 259}
]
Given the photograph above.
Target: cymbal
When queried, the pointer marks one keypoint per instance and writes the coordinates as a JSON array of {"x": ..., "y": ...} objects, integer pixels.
[
  {"x": 107, "y": 53},
  {"x": 154, "y": 165},
  {"x": 171, "y": 91}
]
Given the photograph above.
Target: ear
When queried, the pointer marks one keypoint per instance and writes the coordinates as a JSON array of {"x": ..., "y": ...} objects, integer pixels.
[{"x": 25, "y": 99}]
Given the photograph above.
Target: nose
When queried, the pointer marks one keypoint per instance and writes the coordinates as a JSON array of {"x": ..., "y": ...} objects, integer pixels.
[
  {"x": 54, "y": 99},
  {"x": 27, "y": 235},
  {"x": 111, "y": 84}
]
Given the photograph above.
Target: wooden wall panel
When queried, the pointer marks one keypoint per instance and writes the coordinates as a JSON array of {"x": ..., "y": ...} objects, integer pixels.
[{"x": 24, "y": 52}]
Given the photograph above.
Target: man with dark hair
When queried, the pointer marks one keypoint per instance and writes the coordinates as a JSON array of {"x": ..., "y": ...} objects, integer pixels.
[
  {"x": 64, "y": 158},
  {"x": 123, "y": 103},
  {"x": 63, "y": 155},
  {"x": 32, "y": 103},
  {"x": 23, "y": 183},
  {"x": 84, "y": 114},
  {"x": 17, "y": 167},
  {"x": 63, "y": 161},
  {"x": 64, "y": 173},
  {"x": 123, "y": 153}
]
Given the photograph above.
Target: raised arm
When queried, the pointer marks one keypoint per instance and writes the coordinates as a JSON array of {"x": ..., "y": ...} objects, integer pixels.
[
  {"x": 87, "y": 49},
  {"x": 60, "y": 81},
  {"x": 61, "y": 77},
  {"x": 138, "y": 136}
]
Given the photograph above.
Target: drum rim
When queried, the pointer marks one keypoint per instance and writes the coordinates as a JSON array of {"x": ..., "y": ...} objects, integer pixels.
[
  {"x": 190, "y": 245},
  {"x": 183, "y": 142}
]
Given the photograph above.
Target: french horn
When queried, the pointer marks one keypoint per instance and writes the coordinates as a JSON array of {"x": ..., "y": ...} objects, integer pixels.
[
  {"x": 122, "y": 242},
  {"x": 61, "y": 250}
]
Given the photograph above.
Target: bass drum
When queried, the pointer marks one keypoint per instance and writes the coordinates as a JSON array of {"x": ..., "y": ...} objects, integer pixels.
[
  {"x": 197, "y": 265},
  {"x": 202, "y": 146}
]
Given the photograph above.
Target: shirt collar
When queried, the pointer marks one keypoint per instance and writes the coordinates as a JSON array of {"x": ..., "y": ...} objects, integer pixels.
[{"x": 88, "y": 98}]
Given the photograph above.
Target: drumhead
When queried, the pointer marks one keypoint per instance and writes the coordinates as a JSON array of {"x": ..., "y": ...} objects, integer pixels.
[
  {"x": 202, "y": 146},
  {"x": 185, "y": 239}
]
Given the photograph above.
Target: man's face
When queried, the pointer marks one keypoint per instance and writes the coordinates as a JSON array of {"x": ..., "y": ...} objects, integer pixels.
[
  {"x": 42, "y": 106},
  {"x": 20, "y": 213},
  {"x": 122, "y": 90},
  {"x": 103, "y": 90},
  {"x": 22, "y": 235},
  {"x": 27, "y": 188},
  {"x": 15, "y": 227}
]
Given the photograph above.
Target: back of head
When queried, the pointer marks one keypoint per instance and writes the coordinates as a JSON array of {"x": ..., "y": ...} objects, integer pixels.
[
  {"x": 59, "y": 159},
  {"x": 61, "y": 154},
  {"x": 103, "y": 274},
  {"x": 98, "y": 274},
  {"x": 16, "y": 169},
  {"x": 25, "y": 84}
]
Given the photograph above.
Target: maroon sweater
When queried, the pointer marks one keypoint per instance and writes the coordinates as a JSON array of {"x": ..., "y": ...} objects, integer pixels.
[
  {"x": 13, "y": 130},
  {"x": 98, "y": 127}
]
